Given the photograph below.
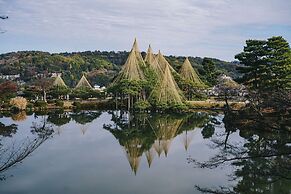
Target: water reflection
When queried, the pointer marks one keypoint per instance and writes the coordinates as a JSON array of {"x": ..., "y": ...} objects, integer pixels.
[
  {"x": 150, "y": 135},
  {"x": 83, "y": 119},
  {"x": 261, "y": 160},
  {"x": 14, "y": 152},
  {"x": 255, "y": 162},
  {"x": 20, "y": 116},
  {"x": 7, "y": 130}
]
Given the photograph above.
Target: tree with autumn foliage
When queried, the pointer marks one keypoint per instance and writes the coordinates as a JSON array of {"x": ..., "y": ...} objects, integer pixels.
[{"x": 8, "y": 90}]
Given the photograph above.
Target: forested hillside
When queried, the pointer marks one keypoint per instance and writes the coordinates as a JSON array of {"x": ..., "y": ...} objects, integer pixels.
[{"x": 100, "y": 67}]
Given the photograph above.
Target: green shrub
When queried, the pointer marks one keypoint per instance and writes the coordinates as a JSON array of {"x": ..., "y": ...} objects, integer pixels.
[
  {"x": 77, "y": 104},
  {"x": 178, "y": 107},
  {"x": 29, "y": 105},
  {"x": 40, "y": 104},
  {"x": 199, "y": 96},
  {"x": 59, "y": 103},
  {"x": 50, "y": 101},
  {"x": 142, "y": 105},
  {"x": 5, "y": 106}
]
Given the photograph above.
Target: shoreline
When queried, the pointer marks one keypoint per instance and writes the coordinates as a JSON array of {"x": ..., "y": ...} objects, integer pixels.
[{"x": 211, "y": 105}]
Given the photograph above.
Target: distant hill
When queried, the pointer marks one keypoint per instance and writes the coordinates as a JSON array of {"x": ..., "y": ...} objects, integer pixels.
[{"x": 99, "y": 66}]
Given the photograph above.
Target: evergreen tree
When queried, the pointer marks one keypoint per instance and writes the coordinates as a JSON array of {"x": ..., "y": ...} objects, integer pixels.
[
  {"x": 210, "y": 71},
  {"x": 267, "y": 64},
  {"x": 255, "y": 70},
  {"x": 279, "y": 58}
]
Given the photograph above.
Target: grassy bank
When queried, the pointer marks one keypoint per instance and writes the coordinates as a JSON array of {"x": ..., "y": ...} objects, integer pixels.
[{"x": 213, "y": 104}]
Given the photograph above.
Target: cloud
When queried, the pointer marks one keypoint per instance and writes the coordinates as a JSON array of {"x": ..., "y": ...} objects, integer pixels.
[{"x": 180, "y": 27}]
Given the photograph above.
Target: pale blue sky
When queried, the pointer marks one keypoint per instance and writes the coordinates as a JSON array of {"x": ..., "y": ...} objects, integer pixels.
[{"x": 213, "y": 28}]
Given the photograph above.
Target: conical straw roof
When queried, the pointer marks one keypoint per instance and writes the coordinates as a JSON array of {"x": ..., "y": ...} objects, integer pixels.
[
  {"x": 163, "y": 62},
  {"x": 59, "y": 82},
  {"x": 167, "y": 91},
  {"x": 188, "y": 73},
  {"x": 153, "y": 63},
  {"x": 227, "y": 81},
  {"x": 83, "y": 83},
  {"x": 135, "y": 48},
  {"x": 150, "y": 57},
  {"x": 132, "y": 67}
]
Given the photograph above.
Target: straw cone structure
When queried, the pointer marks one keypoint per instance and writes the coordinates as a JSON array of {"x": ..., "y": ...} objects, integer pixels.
[
  {"x": 135, "y": 48},
  {"x": 167, "y": 91},
  {"x": 153, "y": 63},
  {"x": 59, "y": 82},
  {"x": 132, "y": 67},
  {"x": 150, "y": 57},
  {"x": 163, "y": 63},
  {"x": 83, "y": 83},
  {"x": 188, "y": 73}
]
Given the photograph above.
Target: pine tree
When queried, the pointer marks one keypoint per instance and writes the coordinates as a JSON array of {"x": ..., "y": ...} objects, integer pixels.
[
  {"x": 279, "y": 58},
  {"x": 267, "y": 64},
  {"x": 210, "y": 71}
]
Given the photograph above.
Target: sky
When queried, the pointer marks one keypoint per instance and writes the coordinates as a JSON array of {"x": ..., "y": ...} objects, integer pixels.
[{"x": 205, "y": 28}]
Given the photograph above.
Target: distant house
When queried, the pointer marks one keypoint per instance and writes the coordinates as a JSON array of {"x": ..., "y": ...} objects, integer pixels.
[
  {"x": 10, "y": 77},
  {"x": 56, "y": 74},
  {"x": 99, "y": 88}
]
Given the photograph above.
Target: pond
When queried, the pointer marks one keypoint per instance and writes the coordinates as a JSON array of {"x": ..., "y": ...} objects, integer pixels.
[{"x": 117, "y": 152}]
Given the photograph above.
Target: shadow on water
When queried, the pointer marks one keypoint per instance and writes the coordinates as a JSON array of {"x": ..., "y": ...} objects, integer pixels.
[{"x": 152, "y": 135}]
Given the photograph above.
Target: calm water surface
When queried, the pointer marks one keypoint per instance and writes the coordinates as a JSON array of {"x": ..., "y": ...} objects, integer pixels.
[{"x": 115, "y": 152}]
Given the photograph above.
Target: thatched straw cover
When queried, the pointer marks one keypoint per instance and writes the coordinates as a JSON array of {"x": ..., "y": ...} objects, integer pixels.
[
  {"x": 132, "y": 67},
  {"x": 153, "y": 63},
  {"x": 83, "y": 83},
  {"x": 150, "y": 57},
  {"x": 188, "y": 73},
  {"x": 163, "y": 63},
  {"x": 167, "y": 91},
  {"x": 59, "y": 82}
]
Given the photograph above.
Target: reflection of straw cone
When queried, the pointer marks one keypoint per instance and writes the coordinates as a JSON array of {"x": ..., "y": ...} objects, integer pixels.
[
  {"x": 133, "y": 153},
  {"x": 21, "y": 116},
  {"x": 166, "y": 146},
  {"x": 187, "y": 139},
  {"x": 150, "y": 154},
  {"x": 158, "y": 147},
  {"x": 133, "y": 162},
  {"x": 167, "y": 130},
  {"x": 59, "y": 130},
  {"x": 84, "y": 128}
]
